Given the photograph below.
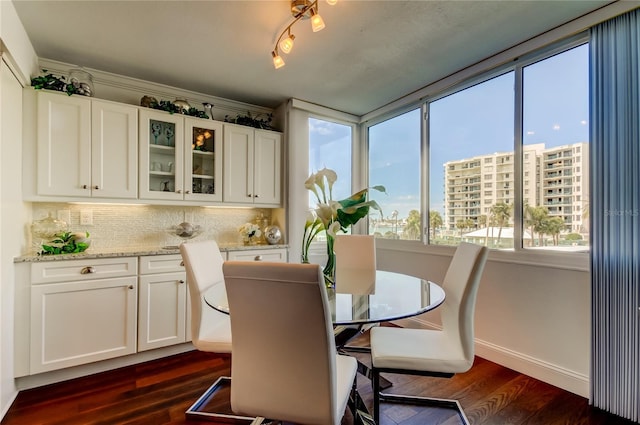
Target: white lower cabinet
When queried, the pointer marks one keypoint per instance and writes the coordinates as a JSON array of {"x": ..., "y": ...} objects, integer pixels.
[
  {"x": 162, "y": 309},
  {"x": 82, "y": 311}
]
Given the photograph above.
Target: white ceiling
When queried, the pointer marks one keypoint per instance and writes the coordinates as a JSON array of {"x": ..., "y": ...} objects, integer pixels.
[{"x": 369, "y": 54}]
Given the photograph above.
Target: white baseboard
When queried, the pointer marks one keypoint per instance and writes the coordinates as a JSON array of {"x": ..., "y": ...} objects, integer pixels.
[
  {"x": 566, "y": 379},
  {"x": 560, "y": 377},
  {"x": 6, "y": 407}
]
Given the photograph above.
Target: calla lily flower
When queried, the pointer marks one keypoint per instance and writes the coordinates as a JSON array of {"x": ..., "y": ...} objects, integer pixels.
[
  {"x": 310, "y": 184},
  {"x": 333, "y": 229},
  {"x": 333, "y": 216}
]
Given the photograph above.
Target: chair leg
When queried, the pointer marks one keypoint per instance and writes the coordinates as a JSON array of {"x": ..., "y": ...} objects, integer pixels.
[
  {"x": 354, "y": 398},
  {"x": 423, "y": 401},
  {"x": 375, "y": 387},
  {"x": 198, "y": 412}
]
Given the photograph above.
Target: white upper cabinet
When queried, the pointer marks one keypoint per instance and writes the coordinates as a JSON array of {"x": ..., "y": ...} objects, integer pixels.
[
  {"x": 161, "y": 155},
  {"x": 114, "y": 148},
  {"x": 267, "y": 162},
  {"x": 252, "y": 166},
  {"x": 85, "y": 147},
  {"x": 82, "y": 147},
  {"x": 203, "y": 160},
  {"x": 180, "y": 157}
]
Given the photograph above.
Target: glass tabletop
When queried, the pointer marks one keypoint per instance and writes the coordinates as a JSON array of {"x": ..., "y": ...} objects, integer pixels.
[{"x": 392, "y": 296}]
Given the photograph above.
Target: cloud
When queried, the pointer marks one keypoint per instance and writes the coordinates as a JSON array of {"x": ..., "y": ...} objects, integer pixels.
[{"x": 321, "y": 128}]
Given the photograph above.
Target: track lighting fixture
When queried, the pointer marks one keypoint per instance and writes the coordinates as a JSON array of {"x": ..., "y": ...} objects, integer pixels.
[{"x": 300, "y": 9}]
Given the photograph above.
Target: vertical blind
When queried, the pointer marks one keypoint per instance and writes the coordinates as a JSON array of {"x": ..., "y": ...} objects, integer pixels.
[{"x": 615, "y": 215}]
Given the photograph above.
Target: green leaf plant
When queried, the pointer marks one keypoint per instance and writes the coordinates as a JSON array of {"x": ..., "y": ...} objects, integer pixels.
[{"x": 66, "y": 243}]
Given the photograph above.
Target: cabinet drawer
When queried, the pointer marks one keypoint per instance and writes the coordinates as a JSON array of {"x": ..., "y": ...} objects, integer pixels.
[
  {"x": 77, "y": 270},
  {"x": 273, "y": 255},
  {"x": 161, "y": 264}
]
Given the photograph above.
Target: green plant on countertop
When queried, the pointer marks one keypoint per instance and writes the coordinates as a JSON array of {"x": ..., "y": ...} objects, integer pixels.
[
  {"x": 66, "y": 243},
  {"x": 251, "y": 121},
  {"x": 51, "y": 82}
]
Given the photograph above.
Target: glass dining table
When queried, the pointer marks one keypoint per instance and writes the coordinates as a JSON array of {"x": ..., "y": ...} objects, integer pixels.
[{"x": 354, "y": 301}]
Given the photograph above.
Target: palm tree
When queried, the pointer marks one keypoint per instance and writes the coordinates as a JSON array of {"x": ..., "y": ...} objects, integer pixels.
[
  {"x": 500, "y": 214},
  {"x": 486, "y": 222},
  {"x": 482, "y": 221},
  {"x": 435, "y": 221},
  {"x": 460, "y": 225},
  {"x": 554, "y": 227},
  {"x": 533, "y": 219},
  {"x": 413, "y": 225}
]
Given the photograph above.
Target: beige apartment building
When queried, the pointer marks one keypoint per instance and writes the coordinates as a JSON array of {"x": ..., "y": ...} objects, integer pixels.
[{"x": 556, "y": 178}]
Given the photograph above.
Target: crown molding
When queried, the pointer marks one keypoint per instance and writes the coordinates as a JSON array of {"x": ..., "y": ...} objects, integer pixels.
[{"x": 120, "y": 88}]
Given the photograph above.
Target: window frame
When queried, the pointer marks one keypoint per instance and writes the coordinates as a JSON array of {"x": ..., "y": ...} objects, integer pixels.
[
  {"x": 319, "y": 247},
  {"x": 518, "y": 254}
]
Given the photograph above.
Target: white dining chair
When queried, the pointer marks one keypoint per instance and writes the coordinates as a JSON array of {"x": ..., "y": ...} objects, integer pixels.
[
  {"x": 285, "y": 365},
  {"x": 440, "y": 353},
  {"x": 355, "y": 264},
  {"x": 210, "y": 329}
]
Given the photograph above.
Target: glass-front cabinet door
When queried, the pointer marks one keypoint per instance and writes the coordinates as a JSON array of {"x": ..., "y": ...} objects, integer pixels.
[
  {"x": 161, "y": 155},
  {"x": 203, "y": 160}
]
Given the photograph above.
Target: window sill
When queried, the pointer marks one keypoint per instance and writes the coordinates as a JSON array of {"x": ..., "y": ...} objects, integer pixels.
[{"x": 577, "y": 261}]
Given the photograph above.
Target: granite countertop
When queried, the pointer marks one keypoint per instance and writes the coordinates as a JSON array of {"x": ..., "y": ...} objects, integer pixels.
[{"x": 130, "y": 252}]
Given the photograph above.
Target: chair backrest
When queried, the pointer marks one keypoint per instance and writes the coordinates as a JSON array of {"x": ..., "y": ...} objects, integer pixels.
[
  {"x": 355, "y": 263},
  {"x": 461, "y": 288},
  {"x": 283, "y": 347},
  {"x": 203, "y": 264}
]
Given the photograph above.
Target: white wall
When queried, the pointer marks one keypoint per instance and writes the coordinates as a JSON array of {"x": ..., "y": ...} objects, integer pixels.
[
  {"x": 533, "y": 319},
  {"x": 13, "y": 216},
  {"x": 15, "y": 44},
  {"x": 18, "y": 63}
]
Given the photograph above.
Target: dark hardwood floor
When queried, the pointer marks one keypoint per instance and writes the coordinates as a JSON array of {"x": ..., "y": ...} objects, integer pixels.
[{"x": 159, "y": 392}]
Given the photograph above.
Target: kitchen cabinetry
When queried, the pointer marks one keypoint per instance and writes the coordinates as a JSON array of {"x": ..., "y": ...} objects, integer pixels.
[
  {"x": 162, "y": 308},
  {"x": 277, "y": 255},
  {"x": 180, "y": 157},
  {"x": 86, "y": 147},
  {"x": 75, "y": 312},
  {"x": 252, "y": 166},
  {"x": 82, "y": 311}
]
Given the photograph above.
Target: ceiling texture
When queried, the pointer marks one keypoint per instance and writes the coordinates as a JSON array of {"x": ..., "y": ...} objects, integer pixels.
[{"x": 370, "y": 53}]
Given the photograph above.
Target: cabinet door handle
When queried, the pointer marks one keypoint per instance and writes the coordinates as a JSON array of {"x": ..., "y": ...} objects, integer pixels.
[
  {"x": 179, "y": 191},
  {"x": 258, "y": 258},
  {"x": 84, "y": 186},
  {"x": 248, "y": 195},
  {"x": 88, "y": 270},
  {"x": 130, "y": 286},
  {"x": 181, "y": 281},
  {"x": 182, "y": 263},
  {"x": 256, "y": 196},
  {"x": 96, "y": 187},
  {"x": 187, "y": 192}
]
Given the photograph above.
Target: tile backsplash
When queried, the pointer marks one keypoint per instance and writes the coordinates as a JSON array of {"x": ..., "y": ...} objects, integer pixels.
[{"x": 133, "y": 226}]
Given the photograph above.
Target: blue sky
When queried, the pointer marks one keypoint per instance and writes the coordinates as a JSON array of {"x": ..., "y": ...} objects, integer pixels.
[{"x": 476, "y": 121}]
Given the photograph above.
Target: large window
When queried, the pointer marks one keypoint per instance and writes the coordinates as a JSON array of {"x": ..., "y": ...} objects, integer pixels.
[
  {"x": 555, "y": 135},
  {"x": 330, "y": 146},
  {"x": 394, "y": 162},
  {"x": 471, "y": 179},
  {"x": 508, "y": 160}
]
